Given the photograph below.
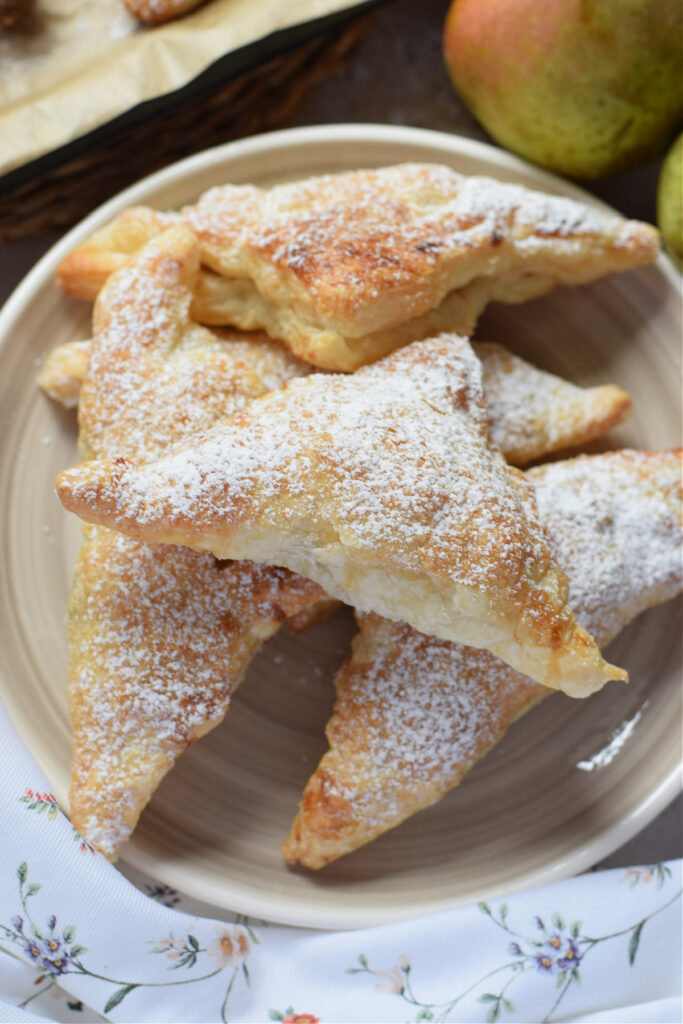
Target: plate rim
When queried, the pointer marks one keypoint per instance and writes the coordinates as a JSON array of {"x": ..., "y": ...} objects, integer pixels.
[
  {"x": 267, "y": 141},
  {"x": 286, "y": 910}
]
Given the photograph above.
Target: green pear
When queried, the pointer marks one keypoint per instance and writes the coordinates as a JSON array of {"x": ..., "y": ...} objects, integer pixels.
[
  {"x": 584, "y": 87},
  {"x": 670, "y": 200}
]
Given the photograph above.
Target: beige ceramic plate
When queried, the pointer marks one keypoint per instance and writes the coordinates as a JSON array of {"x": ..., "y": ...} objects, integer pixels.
[{"x": 570, "y": 783}]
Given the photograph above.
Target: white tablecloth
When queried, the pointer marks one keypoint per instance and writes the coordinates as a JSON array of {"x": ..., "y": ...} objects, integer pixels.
[{"x": 81, "y": 942}]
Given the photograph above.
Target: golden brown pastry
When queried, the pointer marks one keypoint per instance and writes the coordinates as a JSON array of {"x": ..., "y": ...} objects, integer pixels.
[
  {"x": 63, "y": 372},
  {"x": 313, "y": 615},
  {"x": 381, "y": 487},
  {"x": 414, "y": 714},
  {"x": 531, "y": 413},
  {"x": 65, "y": 368},
  {"x": 83, "y": 272},
  {"x": 345, "y": 268},
  {"x": 154, "y": 376},
  {"x": 159, "y": 637}
]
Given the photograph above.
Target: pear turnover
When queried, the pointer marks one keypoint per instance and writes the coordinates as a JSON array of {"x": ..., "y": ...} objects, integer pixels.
[
  {"x": 346, "y": 268},
  {"x": 380, "y": 486},
  {"x": 533, "y": 413},
  {"x": 159, "y": 637},
  {"x": 413, "y": 714}
]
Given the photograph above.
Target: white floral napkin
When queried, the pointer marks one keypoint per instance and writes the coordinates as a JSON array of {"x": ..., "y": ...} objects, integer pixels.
[{"x": 80, "y": 942}]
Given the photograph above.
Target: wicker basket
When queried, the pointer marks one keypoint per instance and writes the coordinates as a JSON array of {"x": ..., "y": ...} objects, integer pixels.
[{"x": 260, "y": 99}]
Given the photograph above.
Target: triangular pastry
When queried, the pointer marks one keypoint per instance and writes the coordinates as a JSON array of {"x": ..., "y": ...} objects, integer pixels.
[
  {"x": 159, "y": 637},
  {"x": 345, "y": 268},
  {"x": 413, "y": 714},
  {"x": 382, "y": 488},
  {"x": 531, "y": 413}
]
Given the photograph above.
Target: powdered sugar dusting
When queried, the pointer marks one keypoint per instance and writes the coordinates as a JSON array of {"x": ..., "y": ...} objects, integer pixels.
[
  {"x": 154, "y": 376},
  {"x": 532, "y": 413},
  {"x": 368, "y": 249},
  {"x": 414, "y": 713},
  {"x": 391, "y": 464},
  {"x": 159, "y": 636},
  {"x": 615, "y": 521}
]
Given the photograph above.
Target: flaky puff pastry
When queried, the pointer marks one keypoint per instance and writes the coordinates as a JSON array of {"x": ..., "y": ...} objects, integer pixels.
[
  {"x": 345, "y": 268},
  {"x": 531, "y": 413},
  {"x": 380, "y": 486},
  {"x": 62, "y": 374},
  {"x": 154, "y": 376},
  {"x": 413, "y": 714},
  {"x": 84, "y": 271},
  {"x": 159, "y": 637}
]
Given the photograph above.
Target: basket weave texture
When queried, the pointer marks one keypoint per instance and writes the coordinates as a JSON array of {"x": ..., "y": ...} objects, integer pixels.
[{"x": 261, "y": 99}]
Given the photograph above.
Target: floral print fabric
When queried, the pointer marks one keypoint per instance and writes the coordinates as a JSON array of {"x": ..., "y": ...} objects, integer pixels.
[{"x": 79, "y": 941}]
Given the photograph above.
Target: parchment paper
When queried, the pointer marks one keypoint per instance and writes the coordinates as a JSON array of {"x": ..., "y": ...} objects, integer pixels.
[{"x": 88, "y": 61}]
